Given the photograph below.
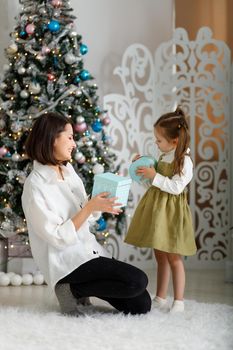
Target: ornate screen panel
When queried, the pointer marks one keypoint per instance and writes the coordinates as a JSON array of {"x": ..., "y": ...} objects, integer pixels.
[{"x": 196, "y": 75}]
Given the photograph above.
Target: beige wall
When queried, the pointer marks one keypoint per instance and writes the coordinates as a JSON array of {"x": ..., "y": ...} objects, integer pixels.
[
  {"x": 216, "y": 14},
  {"x": 108, "y": 27}
]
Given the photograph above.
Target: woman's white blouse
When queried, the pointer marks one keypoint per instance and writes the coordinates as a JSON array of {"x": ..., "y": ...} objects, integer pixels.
[
  {"x": 177, "y": 183},
  {"x": 49, "y": 204}
]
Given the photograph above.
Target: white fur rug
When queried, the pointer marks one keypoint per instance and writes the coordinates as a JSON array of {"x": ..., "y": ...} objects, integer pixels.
[{"x": 201, "y": 327}]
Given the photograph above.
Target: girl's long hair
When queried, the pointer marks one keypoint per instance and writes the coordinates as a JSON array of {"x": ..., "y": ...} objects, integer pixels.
[{"x": 174, "y": 125}]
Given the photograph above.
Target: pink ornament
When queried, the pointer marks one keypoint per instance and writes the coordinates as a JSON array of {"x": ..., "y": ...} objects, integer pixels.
[
  {"x": 106, "y": 121},
  {"x": 80, "y": 127},
  {"x": 51, "y": 77},
  {"x": 56, "y": 3},
  {"x": 3, "y": 151},
  {"x": 81, "y": 160},
  {"x": 30, "y": 28},
  {"x": 45, "y": 50}
]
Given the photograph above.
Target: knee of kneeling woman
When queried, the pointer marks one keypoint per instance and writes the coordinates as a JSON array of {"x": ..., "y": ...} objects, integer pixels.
[{"x": 141, "y": 281}]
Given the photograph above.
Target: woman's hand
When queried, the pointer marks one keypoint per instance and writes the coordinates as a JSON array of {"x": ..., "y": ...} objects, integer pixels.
[
  {"x": 146, "y": 172},
  {"x": 103, "y": 203}
]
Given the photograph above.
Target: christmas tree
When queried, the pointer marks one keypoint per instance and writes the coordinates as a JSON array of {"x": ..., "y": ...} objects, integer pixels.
[{"x": 45, "y": 72}]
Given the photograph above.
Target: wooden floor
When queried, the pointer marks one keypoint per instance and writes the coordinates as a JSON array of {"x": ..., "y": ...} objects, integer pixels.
[
  {"x": 201, "y": 285},
  {"x": 206, "y": 286}
]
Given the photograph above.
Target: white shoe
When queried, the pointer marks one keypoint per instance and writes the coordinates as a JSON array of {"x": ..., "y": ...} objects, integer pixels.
[
  {"x": 177, "y": 306},
  {"x": 160, "y": 303}
]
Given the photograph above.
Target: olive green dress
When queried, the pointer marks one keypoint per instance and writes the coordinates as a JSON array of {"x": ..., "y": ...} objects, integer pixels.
[{"x": 162, "y": 220}]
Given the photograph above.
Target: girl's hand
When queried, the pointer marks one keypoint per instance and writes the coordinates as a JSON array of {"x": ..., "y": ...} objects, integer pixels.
[
  {"x": 146, "y": 172},
  {"x": 103, "y": 203},
  {"x": 136, "y": 157}
]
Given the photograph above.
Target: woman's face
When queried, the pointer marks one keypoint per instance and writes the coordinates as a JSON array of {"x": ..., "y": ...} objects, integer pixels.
[
  {"x": 163, "y": 144},
  {"x": 64, "y": 144}
]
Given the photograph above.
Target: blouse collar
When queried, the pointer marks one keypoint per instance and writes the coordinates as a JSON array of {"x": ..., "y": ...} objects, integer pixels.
[
  {"x": 48, "y": 173},
  {"x": 171, "y": 154}
]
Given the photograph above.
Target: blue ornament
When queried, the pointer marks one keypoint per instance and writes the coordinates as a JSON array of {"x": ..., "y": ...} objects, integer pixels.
[
  {"x": 55, "y": 61},
  {"x": 143, "y": 161},
  {"x": 8, "y": 155},
  {"x": 77, "y": 79},
  {"x": 83, "y": 49},
  {"x": 84, "y": 75},
  {"x": 22, "y": 34},
  {"x": 101, "y": 224},
  {"x": 97, "y": 126},
  {"x": 54, "y": 26}
]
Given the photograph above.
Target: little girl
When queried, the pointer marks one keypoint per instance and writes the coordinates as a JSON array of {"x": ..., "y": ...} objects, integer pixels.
[{"x": 162, "y": 219}]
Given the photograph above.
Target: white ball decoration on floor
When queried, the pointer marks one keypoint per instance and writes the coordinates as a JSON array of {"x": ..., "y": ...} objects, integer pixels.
[
  {"x": 10, "y": 274},
  {"x": 27, "y": 279},
  {"x": 16, "y": 280},
  {"x": 38, "y": 279},
  {"x": 4, "y": 280}
]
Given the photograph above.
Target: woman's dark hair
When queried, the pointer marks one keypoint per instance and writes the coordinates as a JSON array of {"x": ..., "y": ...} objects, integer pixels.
[
  {"x": 174, "y": 125},
  {"x": 40, "y": 141}
]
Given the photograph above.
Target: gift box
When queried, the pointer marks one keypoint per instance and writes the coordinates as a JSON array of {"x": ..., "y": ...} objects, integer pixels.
[{"x": 118, "y": 186}]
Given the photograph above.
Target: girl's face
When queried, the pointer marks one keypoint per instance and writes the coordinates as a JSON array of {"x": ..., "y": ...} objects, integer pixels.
[
  {"x": 64, "y": 144},
  {"x": 163, "y": 144}
]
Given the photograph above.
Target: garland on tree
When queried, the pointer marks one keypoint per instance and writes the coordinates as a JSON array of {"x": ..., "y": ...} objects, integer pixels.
[{"x": 45, "y": 72}]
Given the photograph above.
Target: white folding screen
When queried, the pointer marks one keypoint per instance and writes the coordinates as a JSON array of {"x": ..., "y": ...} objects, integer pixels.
[{"x": 197, "y": 75}]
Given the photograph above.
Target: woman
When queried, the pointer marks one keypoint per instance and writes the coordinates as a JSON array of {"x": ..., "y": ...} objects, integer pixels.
[{"x": 58, "y": 216}]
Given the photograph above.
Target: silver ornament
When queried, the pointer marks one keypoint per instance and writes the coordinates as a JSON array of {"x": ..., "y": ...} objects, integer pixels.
[
  {"x": 78, "y": 92},
  {"x": 15, "y": 157},
  {"x": 78, "y": 156},
  {"x": 98, "y": 169},
  {"x": 24, "y": 94},
  {"x": 80, "y": 119},
  {"x": 72, "y": 34},
  {"x": 21, "y": 70},
  {"x": 89, "y": 143},
  {"x": 70, "y": 58},
  {"x": 94, "y": 159},
  {"x": 42, "y": 11}
]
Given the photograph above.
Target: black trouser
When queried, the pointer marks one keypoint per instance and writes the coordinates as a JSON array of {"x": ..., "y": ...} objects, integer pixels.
[{"x": 120, "y": 284}]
